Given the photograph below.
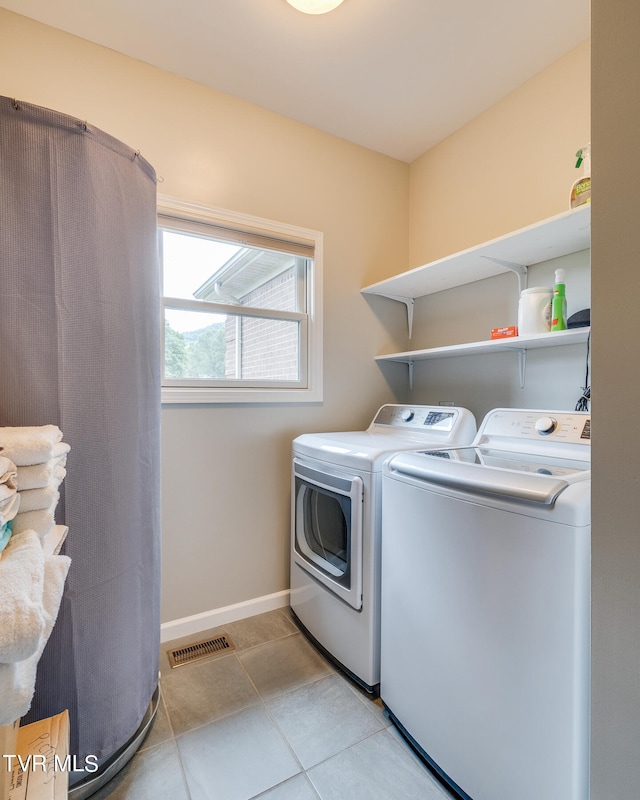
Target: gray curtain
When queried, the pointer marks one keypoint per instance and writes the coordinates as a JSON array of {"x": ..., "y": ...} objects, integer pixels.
[{"x": 80, "y": 348}]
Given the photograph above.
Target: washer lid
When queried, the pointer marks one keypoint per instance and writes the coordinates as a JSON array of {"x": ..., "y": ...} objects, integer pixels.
[{"x": 533, "y": 477}]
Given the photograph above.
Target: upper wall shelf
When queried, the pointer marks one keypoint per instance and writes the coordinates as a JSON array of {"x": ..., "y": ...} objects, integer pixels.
[{"x": 557, "y": 236}]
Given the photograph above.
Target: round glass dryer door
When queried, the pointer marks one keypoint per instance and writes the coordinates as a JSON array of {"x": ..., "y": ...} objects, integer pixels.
[
  {"x": 327, "y": 517},
  {"x": 325, "y": 532}
]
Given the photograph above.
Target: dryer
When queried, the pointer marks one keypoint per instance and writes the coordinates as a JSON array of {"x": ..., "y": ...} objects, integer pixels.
[
  {"x": 486, "y": 606},
  {"x": 335, "y": 528}
]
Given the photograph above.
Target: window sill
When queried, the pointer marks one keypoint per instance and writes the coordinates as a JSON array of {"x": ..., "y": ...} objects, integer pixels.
[{"x": 215, "y": 396}]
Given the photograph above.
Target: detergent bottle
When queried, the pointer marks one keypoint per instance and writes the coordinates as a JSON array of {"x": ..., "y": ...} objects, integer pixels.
[{"x": 559, "y": 304}]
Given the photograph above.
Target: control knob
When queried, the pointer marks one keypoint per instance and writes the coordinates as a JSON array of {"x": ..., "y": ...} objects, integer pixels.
[
  {"x": 406, "y": 415},
  {"x": 545, "y": 425}
]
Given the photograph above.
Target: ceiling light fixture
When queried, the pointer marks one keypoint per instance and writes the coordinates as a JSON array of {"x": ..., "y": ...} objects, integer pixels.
[{"x": 314, "y": 6}]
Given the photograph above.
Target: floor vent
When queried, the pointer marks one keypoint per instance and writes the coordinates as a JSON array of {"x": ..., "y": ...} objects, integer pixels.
[{"x": 198, "y": 650}]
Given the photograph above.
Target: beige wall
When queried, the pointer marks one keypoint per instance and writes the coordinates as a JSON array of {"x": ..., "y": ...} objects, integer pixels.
[
  {"x": 615, "y": 767},
  {"x": 226, "y": 469},
  {"x": 509, "y": 167}
]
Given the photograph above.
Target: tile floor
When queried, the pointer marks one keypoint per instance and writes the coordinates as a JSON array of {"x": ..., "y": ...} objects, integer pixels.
[{"x": 271, "y": 719}]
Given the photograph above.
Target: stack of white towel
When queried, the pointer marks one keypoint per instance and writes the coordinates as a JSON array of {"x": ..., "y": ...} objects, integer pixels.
[
  {"x": 40, "y": 457},
  {"x": 32, "y": 574}
]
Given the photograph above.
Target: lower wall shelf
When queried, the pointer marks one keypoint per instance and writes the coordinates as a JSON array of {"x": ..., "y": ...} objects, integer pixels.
[{"x": 519, "y": 344}]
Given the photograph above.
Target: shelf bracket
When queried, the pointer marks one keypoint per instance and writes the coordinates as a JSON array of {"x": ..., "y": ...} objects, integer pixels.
[
  {"x": 410, "y": 365},
  {"x": 522, "y": 365},
  {"x": 409, "y": 303},
  {"x": 520, "y": 270}
]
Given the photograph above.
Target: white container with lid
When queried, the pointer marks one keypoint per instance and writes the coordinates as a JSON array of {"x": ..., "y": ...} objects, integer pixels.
[{"x": 534, "y": 310}]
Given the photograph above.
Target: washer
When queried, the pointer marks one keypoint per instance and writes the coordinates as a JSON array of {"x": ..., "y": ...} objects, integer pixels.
[
  {"x": 335, "y": 528},
  {"x": 486, "y": 606}
]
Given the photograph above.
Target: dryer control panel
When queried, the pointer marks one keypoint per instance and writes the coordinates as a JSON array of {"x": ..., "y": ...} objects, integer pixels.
[{"x": 440, "y": 418}]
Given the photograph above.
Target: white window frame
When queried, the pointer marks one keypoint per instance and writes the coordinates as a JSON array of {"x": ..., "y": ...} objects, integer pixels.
[{"x": 311, "y": 325}]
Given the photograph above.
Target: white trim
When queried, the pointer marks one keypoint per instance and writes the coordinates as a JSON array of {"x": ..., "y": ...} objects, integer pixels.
[
  {"x": 180, "y": 303},
  {"x": 187, "y": 626},
  {"x": 313, "y": 393},
  {"x": 171, "y": 206}
]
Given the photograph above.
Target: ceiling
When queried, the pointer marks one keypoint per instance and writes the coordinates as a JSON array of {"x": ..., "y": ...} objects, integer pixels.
[{"x": 397, "y": 76}]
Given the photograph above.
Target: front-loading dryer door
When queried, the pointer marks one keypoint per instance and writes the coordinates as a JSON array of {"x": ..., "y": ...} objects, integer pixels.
[{"x": 327, "y": 529}]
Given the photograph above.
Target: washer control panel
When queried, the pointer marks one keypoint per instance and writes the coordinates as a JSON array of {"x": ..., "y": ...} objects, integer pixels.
[{"x": 573, "y": 427}]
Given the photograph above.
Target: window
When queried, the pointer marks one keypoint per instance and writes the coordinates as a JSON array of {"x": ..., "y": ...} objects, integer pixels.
[{"x": 241, "y": 300}]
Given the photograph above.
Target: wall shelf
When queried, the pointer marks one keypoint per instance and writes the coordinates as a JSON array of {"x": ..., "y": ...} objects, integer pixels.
[
  {"x": 518, "y": 344},
  {"x": 566, "y": 233},
  {"x": 557, "y": 236},
  {"x": 572, "y": 336}
]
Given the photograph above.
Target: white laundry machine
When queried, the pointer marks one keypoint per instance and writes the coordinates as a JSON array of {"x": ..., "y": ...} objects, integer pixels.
[
  {"x": 335, "y": 527},
  {"x": 486, "y": 606}
]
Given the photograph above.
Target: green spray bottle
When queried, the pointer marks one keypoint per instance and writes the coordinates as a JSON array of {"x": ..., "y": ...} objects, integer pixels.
[
  {"x": 581, "y": 189},
  {"x": 559, "y": 304}
]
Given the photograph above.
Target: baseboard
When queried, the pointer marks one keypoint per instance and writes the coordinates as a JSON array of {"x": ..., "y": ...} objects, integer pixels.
[{"x": 187, "y": 626}]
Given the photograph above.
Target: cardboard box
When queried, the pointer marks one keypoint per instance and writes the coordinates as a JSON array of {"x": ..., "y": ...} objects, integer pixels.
[
  {"x": 8, "y": 739},
  {"x": 504, "y": 333},
  {"x": 40, "y": 762}
]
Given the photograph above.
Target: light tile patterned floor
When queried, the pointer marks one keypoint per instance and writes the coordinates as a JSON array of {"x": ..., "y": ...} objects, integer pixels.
[{"x": 271, "y": 720}]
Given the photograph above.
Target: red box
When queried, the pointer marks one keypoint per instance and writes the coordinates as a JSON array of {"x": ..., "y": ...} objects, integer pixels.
[{"x": 504, "y": 333}]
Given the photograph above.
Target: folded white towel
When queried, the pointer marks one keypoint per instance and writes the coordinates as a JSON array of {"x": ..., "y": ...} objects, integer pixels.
[
  {"x": 21, "y": 582},
  {"x": 17, "y": 681},
  {"x": 60, "y": 449},
  {"x": 59, "y": 474},
  {"x": 7, "y": 490},
  {"x": 9, "y": 508},
  {"x": 8, "y": 471},
  {"x": 53, "y": 541},
  {"x": 37, "y": 476},
  {"x": 39, "y": 499},
  {"x": 30, "y": 445},
  {"x": 39, "y": 521}
]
